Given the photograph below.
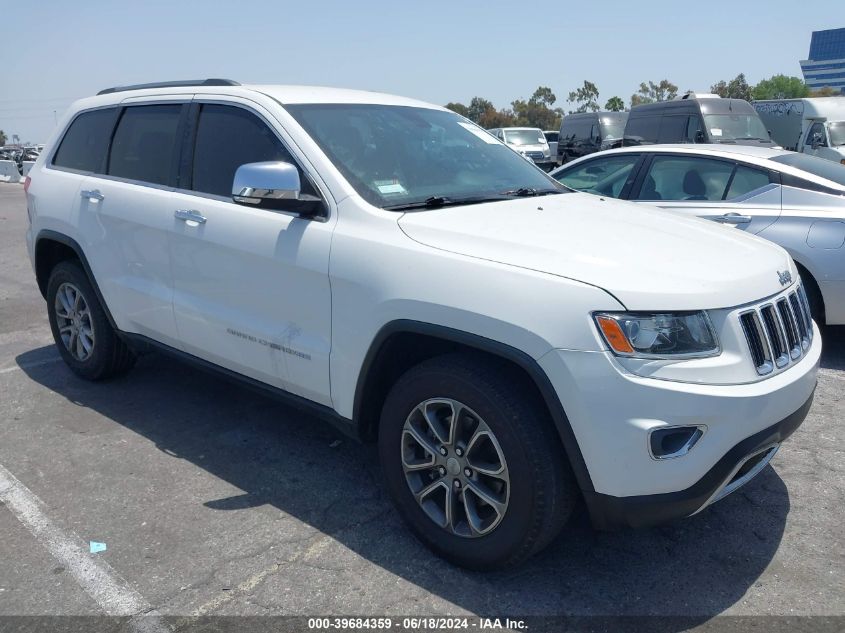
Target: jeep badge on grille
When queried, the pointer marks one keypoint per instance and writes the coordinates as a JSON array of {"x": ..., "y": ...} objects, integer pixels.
[{"x": 785, "y": 277}]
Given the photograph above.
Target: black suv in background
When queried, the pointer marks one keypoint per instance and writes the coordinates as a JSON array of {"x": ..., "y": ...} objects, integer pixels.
[
  {"x": 582, "y": 134},
  {"x": 696, "y": 119}
]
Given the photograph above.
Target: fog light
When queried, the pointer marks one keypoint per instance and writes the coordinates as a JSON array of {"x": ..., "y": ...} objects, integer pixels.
[{"x": 673, "y": 441}]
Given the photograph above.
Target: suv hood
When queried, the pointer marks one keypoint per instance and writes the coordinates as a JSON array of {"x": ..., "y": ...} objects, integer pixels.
[{"x": 649, "y": 259}]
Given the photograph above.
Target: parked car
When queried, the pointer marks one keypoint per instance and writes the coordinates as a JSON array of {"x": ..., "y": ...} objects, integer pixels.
[
  {"x": 551, "y": 139},
  {"x": 812, "y": 126},
  {"x": 528, "y": 141},
  {"x": 388, "y": 265},
  {"x": 794, "y": 200},
  {"x": 589, "y": 132},
  {"x": 696, "y": 118}
]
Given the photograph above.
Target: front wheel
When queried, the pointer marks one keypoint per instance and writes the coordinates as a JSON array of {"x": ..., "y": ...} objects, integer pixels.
[{"x": 473, "y": 462}]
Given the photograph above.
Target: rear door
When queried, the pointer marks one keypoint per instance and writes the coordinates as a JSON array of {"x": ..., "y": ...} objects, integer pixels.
[
  {"x": 733, "y": 193},
  {"x": 252, "y": 289},
  {"x": 126, "y": 216}
]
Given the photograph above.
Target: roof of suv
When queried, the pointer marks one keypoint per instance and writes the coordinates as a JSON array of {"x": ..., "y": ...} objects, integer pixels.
[{"x": 281, "y": 93}]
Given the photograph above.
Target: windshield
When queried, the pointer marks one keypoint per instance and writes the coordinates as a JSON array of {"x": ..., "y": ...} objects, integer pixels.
[
  {"x": 735, "y": 127},
  {"x": 399, "y": 155},
  {"x": 820, "y": 167},
  {"x": 613, "y": 127},
  {"x": 836, "y": 131},
  {"x": 524, "y": 137}
]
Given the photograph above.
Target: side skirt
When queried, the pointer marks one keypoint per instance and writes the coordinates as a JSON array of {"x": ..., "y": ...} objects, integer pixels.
[{"x": 141, "y": 343}]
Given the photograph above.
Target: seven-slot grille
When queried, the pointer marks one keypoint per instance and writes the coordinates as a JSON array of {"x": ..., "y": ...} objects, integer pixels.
[{"x": 779, "y": 331}]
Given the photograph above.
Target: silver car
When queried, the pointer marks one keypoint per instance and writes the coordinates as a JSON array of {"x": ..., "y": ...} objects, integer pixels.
[{"x": 794, "y": 200}]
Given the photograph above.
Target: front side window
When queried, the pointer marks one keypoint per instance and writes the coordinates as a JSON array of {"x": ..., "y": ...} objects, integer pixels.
[
  {"x": 145, "y": 144},
  {"x": 398, "y": 155},
  {"x": 86, "y": 141},
  {"x": 603, "y": 176},
  {"x": 817, "y": 128},
  {"x": 228, "y": 137},
  {"x": 735, "y": 127},
  {"x": 686, "y": 178},
  {"x": 694, "y": 133}
]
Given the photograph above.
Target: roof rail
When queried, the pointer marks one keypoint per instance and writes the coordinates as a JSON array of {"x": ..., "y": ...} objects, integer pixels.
[{"x": 172, "y": 84}]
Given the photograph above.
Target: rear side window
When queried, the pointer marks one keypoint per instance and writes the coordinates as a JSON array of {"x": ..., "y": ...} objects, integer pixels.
[
  {"x": 145, "y": 144},
  {"x": 86, "y": 141},
  {"x": 228, "y": 137},
  {"x": 642, "y": 130},
  {"x": 746, "y": 180}
]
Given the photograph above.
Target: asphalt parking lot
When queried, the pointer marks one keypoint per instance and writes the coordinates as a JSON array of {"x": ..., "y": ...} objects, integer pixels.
[{"x": 213, "y": 500}]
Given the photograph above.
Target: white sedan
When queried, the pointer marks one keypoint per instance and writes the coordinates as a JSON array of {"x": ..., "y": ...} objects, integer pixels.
[{"x": 794, "y": 200}]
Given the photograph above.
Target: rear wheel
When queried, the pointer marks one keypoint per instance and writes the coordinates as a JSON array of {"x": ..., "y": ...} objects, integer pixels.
[
  {"x": 85, "y": 338},
  {"x": 473, "y": 462}
]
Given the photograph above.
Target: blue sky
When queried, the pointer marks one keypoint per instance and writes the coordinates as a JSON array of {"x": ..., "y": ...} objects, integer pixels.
[{"x": 58, "y": 51}]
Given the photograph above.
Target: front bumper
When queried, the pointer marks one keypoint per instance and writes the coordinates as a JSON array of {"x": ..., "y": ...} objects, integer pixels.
[
  {"x": 736, "y": 468},
  {"x": 611, "y": 413}
]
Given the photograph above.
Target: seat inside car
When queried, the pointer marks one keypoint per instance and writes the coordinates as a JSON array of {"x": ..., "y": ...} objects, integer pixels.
[{"x": 694, "y": 187}]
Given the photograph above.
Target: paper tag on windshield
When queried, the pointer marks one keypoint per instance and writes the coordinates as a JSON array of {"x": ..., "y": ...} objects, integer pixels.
[
  {"x": 389, "y": 187},
  {"x": 484, "y": 136},
  {"x": 716, "y": 131}
]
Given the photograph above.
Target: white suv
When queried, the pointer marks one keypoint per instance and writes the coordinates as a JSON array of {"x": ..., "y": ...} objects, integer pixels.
[{"x": 510, "y": 344}]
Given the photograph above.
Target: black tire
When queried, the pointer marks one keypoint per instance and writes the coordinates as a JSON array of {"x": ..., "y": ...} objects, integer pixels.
[
  {"x": 814, "y": 296},
  {"x": 109, "y": 356},
  {"x": 542, "y": 488}
]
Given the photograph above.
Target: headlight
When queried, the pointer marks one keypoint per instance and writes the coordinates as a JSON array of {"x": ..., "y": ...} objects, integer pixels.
[{"x": 658, "y": 335}]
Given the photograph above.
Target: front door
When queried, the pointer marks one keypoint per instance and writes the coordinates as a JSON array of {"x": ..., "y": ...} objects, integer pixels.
[{"x": 251, "y": 285}]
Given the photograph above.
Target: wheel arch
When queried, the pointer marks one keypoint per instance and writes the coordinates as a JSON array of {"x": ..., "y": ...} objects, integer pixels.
[
  {"x": 401, "y": 344},
  {"x": 813, "y": 286},
  {"x": 52, "y": 247}
]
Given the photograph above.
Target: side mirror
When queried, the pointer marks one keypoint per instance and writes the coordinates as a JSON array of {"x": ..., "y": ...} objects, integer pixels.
[
  {"x": 699, "y": 137},
  {"x": 256, "y": 183}
]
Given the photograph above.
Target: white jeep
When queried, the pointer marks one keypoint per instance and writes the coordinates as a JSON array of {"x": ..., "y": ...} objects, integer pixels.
[{"x": 387, "y": 264}]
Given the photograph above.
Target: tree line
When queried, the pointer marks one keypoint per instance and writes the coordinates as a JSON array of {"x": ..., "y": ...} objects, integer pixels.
[{"x": 540, "y": 111}]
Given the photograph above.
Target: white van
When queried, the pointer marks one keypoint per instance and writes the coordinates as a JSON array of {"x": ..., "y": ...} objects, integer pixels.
[{"x": 812, "y": 126}]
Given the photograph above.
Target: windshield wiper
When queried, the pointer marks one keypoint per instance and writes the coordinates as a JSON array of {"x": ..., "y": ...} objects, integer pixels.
[
  {"x": 527, "y": 192},
  {"x": 435, "y": 202}
]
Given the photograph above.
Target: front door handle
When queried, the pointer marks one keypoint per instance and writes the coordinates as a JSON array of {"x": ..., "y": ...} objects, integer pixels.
[
  {"x": 189, "y": 215},
  {"x": 93, "y": 194},
  {"x": 733, "y": 218}
]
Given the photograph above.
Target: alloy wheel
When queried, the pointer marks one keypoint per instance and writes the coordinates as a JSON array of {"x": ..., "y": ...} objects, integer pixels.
[
  {"x": 455, "y": 467},
  {"x": 74, "y": 322}
]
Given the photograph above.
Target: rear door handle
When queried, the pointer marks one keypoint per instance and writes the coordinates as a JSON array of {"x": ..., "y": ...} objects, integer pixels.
[
  {"x": 189, "y": 215},
  {"x": 92, "y": 194},
  {"x": 733, "y": 218}
]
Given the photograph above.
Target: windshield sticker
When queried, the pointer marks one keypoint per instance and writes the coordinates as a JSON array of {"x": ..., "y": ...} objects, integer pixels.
[
  {"x": 484, "y": 136},
  {"x": 715, "y": 131},
  {"x": 390, "y": 188}
]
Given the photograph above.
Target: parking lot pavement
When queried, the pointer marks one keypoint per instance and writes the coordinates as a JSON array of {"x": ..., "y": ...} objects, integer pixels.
[{"x": 212, "y": 499}]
